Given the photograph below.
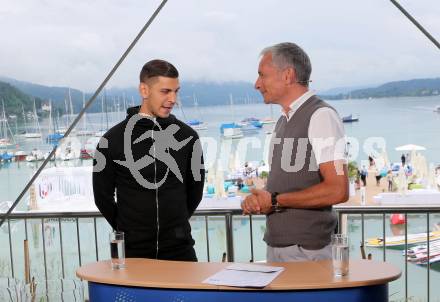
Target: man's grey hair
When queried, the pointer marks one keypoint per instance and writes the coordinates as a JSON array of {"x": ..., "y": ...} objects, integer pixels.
[{"x": 285, "y": 55}]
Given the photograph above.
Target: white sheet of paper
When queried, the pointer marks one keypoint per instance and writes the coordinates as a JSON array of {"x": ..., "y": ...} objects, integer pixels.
[
  {"x": 254, "y": 268},
  {"x": 245, "y": 275}
]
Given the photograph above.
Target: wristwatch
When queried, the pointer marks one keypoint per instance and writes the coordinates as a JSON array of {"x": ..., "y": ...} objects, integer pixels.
[{"x": 275, "y": 205}]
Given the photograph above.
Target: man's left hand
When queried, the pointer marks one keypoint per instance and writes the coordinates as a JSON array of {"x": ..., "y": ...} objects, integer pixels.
[{"x": 264, "y": 199}]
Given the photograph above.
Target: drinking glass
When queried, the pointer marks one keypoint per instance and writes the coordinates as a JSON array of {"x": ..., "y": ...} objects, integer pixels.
[
  {"x": 117, "y": 249},
  {"x": 340, "y": 254}
]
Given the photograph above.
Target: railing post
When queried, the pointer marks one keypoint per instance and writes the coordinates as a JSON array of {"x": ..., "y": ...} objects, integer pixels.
[
  {"x": 406, "y": 255},
  {"x": 10, "y": 249},
  {"x": 44, "y": 249},
  {"x": 78, "y": 241},
  {"x": 344, "y": 224},
  {"x": 96, "y": 239},
  {"x": 252, "y": 238},
  {"x": 207, "y": 238},
  {"x": 61, "y": 247},
  {"x": 428, "y": 290},
  {"x": 229, "y": 237},
  {"x": 340, "y": 222},
  {"x": 384, "y": 242}
]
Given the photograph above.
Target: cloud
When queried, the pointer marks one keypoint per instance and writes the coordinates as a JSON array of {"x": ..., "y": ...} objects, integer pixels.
[{"x": 76, "y": 43}]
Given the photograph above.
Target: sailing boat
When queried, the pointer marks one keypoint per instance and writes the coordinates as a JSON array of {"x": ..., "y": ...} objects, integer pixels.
[
  {"x": 69, "y": 149},
  {"x": 36, "y": 129},
  {"x": 231, "y": 130},
  {"x": 248, "y": 126},
  {"x": 69, "y": 112},
  {"x": 5, "y": 142},
  {"x": 250, "y": 123},
  {"x": 269, "y": 120},
  {"x": 35, "y": 155},
  {"x": 195, "y": 123},
  {"x": 84, "y": 131},
  {"x": 54, "y": 135},
  {"x": 24, "y": 121},
  {"x": 62, "y": 127},
  {"x": 89, "y": 148},
  {"x": 103, "y": 129}
]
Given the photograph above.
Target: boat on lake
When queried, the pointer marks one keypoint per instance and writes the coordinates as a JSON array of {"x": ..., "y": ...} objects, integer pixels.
[
  {"x": 399, "y": 241},
  {"x": 350, "y": 118}
]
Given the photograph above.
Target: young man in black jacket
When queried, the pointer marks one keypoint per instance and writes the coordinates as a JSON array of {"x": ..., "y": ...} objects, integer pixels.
[{"x": 154, "y": 163}]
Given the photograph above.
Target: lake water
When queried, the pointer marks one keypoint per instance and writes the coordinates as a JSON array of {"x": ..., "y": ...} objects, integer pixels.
[{"x": 398, "y": 121}]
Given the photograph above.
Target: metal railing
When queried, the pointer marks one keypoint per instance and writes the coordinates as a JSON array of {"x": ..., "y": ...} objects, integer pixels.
[
  {"x": 206, "y": 216},
  {"x": 382, "y": 211}
]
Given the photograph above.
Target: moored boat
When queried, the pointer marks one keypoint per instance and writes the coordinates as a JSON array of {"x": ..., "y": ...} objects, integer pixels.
[
  {"x": 399, "y": 241},
  {"x": 350, "y": 118}
]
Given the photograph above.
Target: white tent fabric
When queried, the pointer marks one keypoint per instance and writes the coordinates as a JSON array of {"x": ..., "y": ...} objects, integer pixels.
[{"x": 410, "y": 147}]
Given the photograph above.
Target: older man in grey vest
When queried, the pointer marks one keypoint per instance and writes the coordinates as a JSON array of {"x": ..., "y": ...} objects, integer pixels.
[{"x": 308, "y": 171}]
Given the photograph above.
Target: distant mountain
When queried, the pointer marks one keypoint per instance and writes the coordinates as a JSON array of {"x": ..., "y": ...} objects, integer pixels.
[
  {"x": 57, "y": 95},
  {"x": 415, "y": 88},
  {"x": 341, "y": 90},
  {"x": 16, "y": 92},
  {"x": 15, "y": 100},
  {"x": 206, "y": 93}
]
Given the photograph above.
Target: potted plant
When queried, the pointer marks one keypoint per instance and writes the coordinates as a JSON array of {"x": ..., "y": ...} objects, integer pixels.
[{"x": 263, "y": 176}]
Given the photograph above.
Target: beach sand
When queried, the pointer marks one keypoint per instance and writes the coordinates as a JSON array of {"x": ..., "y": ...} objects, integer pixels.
[{"x": 371, "y": 190}]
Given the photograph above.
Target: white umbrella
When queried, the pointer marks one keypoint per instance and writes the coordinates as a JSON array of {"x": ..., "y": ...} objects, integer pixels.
[{"x": 410, "y": 147}]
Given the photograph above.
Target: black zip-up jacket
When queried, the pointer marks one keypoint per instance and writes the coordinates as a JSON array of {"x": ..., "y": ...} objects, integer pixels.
[{"x": 168, "y": 235}]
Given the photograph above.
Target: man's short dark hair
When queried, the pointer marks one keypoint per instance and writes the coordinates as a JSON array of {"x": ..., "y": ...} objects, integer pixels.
[{"x": 156, "y": 68}]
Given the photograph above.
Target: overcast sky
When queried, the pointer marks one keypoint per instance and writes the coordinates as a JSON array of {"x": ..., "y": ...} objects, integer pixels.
[{"x": 350, "y": 42}]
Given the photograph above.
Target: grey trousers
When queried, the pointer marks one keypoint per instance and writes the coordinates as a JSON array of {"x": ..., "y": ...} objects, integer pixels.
[{"x": 297, "y": 253}]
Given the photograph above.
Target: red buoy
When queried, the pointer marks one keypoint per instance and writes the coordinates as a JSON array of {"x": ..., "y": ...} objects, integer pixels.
[{"x": 397, "y": 219}]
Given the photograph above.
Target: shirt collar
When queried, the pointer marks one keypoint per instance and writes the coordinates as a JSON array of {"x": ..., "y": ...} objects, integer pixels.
[
  {"x": 145, "y": 115},
  {"x": 294, "y": 106}
]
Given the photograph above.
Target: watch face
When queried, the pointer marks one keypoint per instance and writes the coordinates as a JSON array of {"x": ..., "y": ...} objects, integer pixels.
[{"x": 274, "y": 199}]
